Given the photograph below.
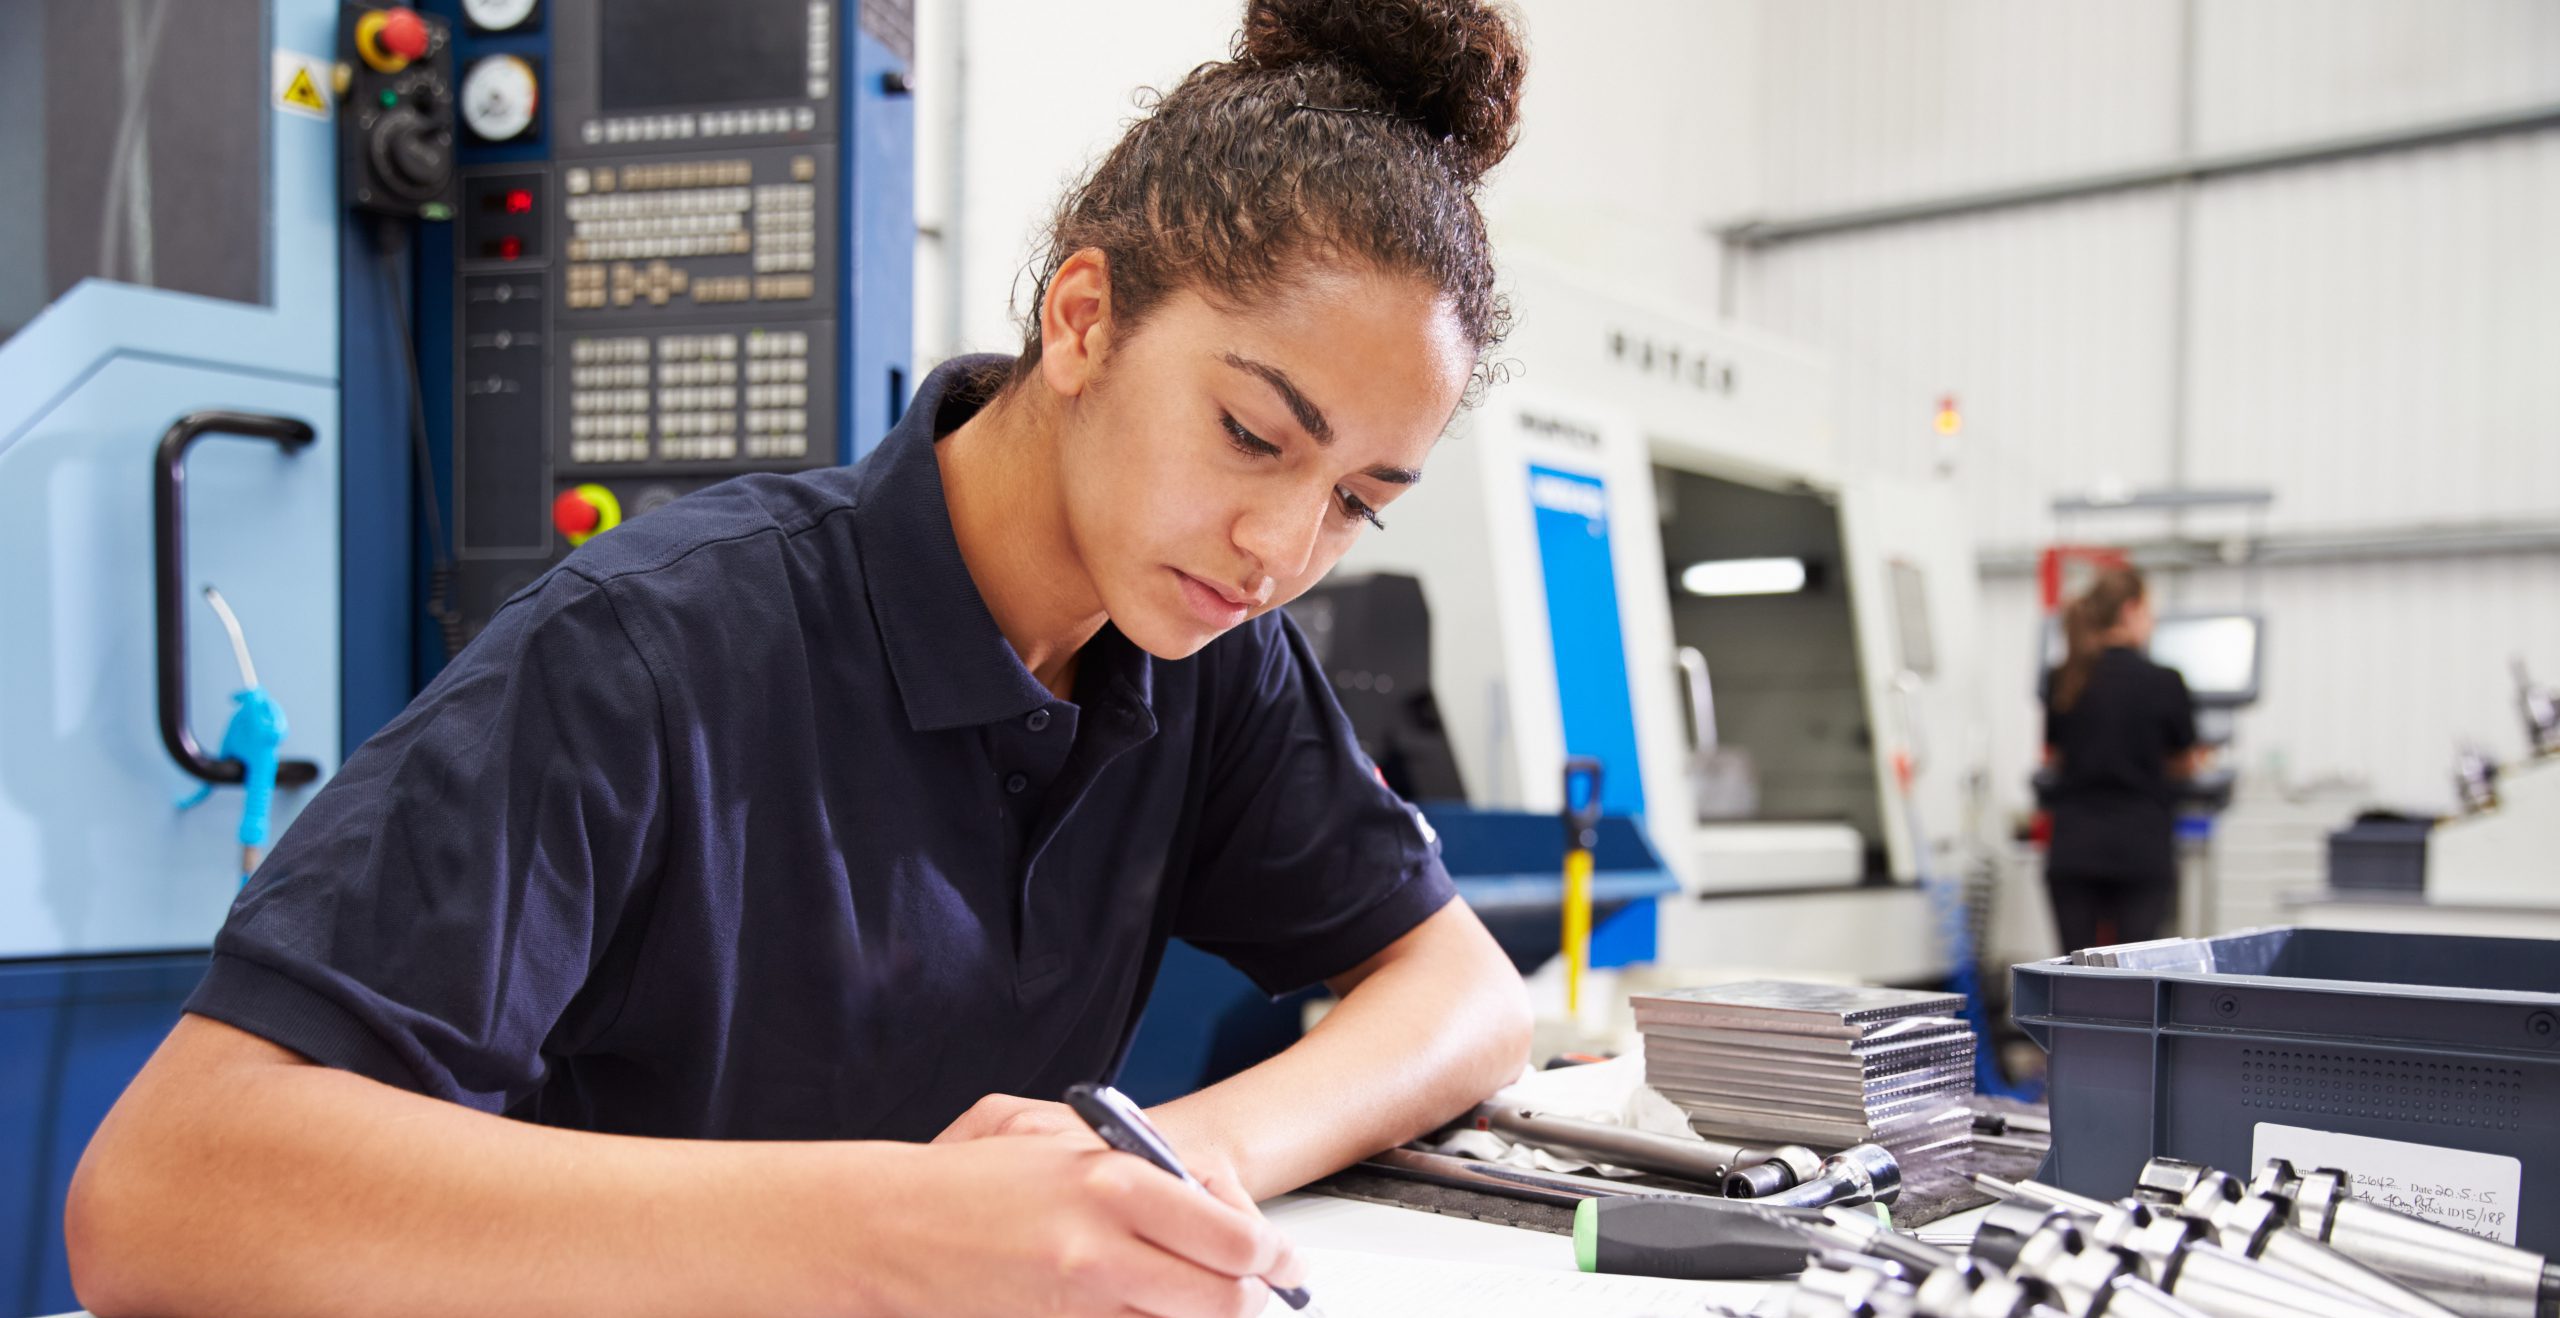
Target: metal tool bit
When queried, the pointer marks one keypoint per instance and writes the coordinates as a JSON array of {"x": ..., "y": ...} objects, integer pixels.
[
  {"x": 1861, "y": 1173},
  {"x": 2059, "y": 1263},
  {"x": 1850, "y": 1286},
  {"x": 2226, "y": 1285},
  {"x": 2467, "y": 1273},
  {"x": 2105, "y": 1289},
  {"x": 2150, "y": 1240},
  {"x": 2275, "y": 1176},
  {"x": 2497, "y": 1281},
  {"x": 2212, "y": 1192},
  {"x": 1972, "y": 1290},
  {"x": 2040, "y": 1193},
  {"x": 2260, "y": 1227},
  {"x": 1842, "y": 1285},
  {"x": 1843, "y": 1227},
  {"x": 2167, "y": 1180},
  {"x": 2006, "y": 1227},
  {"x": 2175, "y": 1253}
]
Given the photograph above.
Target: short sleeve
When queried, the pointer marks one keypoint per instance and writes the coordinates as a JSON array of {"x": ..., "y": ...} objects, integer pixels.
[
  {"x": 1307, "y": 864},
  {"x": 2178, "y": 715},
  {"x": 435, "y": 909}
]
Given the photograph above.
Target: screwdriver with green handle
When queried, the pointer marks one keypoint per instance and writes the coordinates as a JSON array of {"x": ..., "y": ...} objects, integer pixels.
[{"x": 1691, "y": 1239}]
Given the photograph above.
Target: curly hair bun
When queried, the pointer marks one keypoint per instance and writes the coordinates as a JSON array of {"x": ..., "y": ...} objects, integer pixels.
[{"x": 1453, "y": 66}]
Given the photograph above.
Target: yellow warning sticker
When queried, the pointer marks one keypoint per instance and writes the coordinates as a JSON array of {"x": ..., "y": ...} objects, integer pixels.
[{"x": 302, "y": 84}]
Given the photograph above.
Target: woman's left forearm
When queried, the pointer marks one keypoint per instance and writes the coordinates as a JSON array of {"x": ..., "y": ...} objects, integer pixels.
[{"x": 1424, "y": 1030}]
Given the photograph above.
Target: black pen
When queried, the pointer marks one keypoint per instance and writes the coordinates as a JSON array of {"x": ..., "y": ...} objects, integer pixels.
[{"x": 1122, "y": 1126}]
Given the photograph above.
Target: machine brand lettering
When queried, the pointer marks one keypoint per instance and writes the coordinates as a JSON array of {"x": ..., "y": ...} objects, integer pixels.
[
  {"x": 1695, "y": 367},
  {"x": 1565, "y": 494},
  {"x": 1571, "y": 432}
]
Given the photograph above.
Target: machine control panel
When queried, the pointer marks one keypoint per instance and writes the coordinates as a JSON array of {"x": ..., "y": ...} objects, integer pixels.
[
  {"x": 649, "y": 269},
  {"x": 395, "y": 138}
]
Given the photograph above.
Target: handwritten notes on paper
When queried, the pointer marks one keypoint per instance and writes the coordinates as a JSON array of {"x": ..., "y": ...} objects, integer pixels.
[{"x": 2469, "y": 1191}]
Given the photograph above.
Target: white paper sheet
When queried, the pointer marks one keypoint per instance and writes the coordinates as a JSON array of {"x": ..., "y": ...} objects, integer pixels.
[
  {"x": 2460, "y": 1188},
  {"x": 1354, "y": 1285}
]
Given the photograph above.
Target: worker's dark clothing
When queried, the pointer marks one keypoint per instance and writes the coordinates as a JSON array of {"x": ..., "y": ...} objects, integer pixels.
[
  {"x": 2112, "y": 866},
  {"x": 746, "y": 821}
]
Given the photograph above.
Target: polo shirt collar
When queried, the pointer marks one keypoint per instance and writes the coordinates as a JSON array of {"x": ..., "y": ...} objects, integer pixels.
[{"x": 952, "y": 664}]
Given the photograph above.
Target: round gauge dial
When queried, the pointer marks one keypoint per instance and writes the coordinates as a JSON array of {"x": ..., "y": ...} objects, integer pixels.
[
  {"x": 498, "y": 97},
  {"x": 498, "y": 15}
]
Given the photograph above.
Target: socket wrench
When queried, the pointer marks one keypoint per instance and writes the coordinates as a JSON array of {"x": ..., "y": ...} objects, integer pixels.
[
  {"x": 1861, "y": 1173},
  {"x": 1739, "y": 1171},
  {"x": 1561, "y": 1189}
]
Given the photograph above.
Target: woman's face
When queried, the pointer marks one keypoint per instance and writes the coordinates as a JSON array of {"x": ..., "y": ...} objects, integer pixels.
[{"x": 1215, "y": 463}]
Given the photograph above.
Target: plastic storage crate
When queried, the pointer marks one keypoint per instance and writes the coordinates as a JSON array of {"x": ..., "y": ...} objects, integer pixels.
[
  {"x": 2380, "y": 855},
  {"x": 2186, "y": 1047}
]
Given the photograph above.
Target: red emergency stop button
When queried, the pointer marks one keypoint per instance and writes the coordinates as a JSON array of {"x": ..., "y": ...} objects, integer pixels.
[
  {"x": 405, "y": 34},
  {"x": 583, "y": 512},
  {"x": 388, "y": 39}
]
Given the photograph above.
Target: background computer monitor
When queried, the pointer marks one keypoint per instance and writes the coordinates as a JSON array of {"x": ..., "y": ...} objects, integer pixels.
[
  {"x": 2221, "y": 655},
  {"x": 2218, "y": 654}
]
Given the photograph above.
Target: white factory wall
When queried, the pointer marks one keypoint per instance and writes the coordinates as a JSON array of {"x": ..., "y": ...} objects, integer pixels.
[
  {"x": 2370, "y": 338},
  {"x": 1636, "y": 128},
  {"x": 1865, "y": 101}
]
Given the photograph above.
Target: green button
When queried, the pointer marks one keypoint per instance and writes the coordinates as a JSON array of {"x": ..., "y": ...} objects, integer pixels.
[
  {"x": 389, "y": 99},
  {"x": 1586, "y": 1235}
]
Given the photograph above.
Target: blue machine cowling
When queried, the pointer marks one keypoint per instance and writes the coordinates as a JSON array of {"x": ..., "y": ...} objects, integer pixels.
[{"x": 184, "y": 250}]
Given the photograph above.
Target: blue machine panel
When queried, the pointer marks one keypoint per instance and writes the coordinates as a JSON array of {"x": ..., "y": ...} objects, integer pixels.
[
  {"x": 94, "y": 855},
  {"x": 1582, "y": 618},
  {"x": 1591, "y": 670},
  {"x": 233, "y": 280},
  {"x": 74, "y": 1031}
]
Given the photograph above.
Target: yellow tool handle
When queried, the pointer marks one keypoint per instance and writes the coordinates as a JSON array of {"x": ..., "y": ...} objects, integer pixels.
[{"x": 1577, "y": 926}]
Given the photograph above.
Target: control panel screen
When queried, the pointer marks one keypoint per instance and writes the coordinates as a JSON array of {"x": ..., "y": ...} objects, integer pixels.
[
  {"x": 664, "y": 53},
  {"x": 2216, "y": 653}
]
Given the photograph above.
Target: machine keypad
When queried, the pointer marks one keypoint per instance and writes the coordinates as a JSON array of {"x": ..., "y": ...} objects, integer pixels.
[{"x": 683, "y": 391}]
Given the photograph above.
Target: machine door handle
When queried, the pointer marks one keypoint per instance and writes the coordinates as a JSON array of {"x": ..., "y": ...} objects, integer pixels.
[
  {"x": 169, "y": 571},
  {"x": 1702, "y": 700}
]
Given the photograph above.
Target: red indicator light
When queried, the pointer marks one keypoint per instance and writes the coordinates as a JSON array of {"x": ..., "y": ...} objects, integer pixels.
[
  {"x": 519, "y": 201},
  {"x": 510, "y": 248}
]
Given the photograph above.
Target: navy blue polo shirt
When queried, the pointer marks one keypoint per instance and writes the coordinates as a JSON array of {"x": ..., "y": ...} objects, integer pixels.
[{"x": 746, "y": 822}]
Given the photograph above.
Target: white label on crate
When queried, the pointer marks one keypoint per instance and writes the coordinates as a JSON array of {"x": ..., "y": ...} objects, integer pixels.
[{"x": 2463, "y": 1189}]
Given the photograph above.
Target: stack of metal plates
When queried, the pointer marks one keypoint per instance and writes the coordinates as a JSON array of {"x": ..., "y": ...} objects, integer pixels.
[{"x": 1824, "y": 1065}]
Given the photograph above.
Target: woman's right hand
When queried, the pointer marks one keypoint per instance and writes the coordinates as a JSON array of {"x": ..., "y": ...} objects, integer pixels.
[{"x": 1054, "y": 1225}]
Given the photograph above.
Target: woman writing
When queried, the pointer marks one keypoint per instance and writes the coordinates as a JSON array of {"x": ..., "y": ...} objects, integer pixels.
[
  {"x": 2119, "y": 733},
  {"x": 813, "y": 818}
]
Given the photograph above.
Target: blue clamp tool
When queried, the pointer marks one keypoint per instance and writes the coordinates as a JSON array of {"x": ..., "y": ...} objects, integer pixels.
[{"x": 254, "y": 738}]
